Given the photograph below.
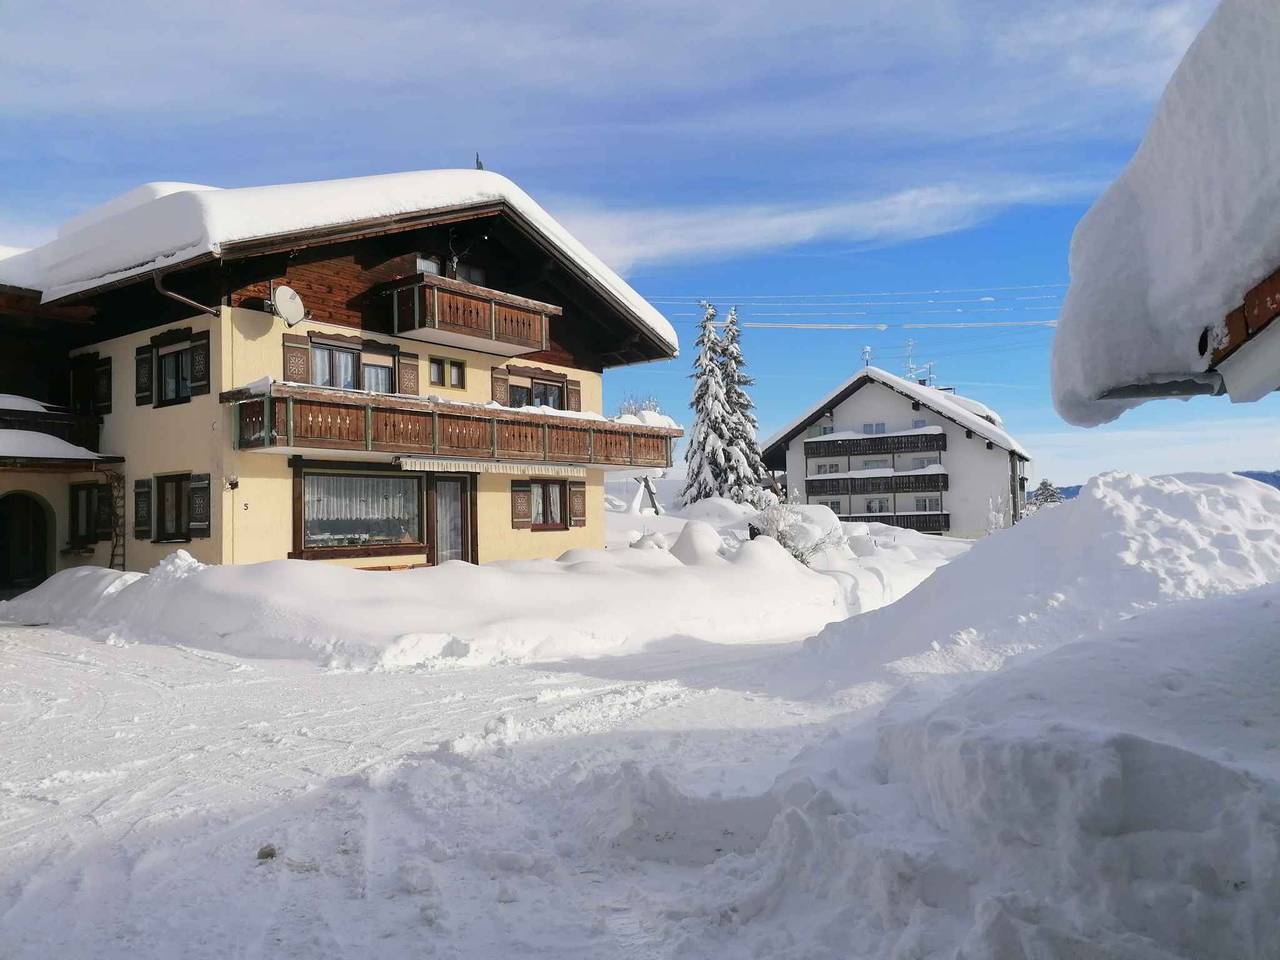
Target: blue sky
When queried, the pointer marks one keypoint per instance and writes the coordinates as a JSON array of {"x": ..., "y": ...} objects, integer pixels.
[{"x": 830, "y": 154}]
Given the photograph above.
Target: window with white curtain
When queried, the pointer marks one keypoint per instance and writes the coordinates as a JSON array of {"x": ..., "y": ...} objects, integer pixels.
[
  {"x": 350, "y": 510},
  {"x": 375, "y": 378},
  {"x": 333, "y": 367}
]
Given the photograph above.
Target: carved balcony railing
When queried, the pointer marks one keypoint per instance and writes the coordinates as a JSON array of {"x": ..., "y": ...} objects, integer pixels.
[
  {"x": 888, "y": 443},
  {"x": 924, "y": 522},
  {"x": 442, "y": 310},
  {"x": 293, "y": 417},
  {"x": 898, "y": 483}
]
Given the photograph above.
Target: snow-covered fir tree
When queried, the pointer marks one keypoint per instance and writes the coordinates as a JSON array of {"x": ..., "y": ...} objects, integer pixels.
[
  {"x": 746, "y": 466},
  {"x": 707, "y": 455},
  {"x": 1045, "y": 495}
]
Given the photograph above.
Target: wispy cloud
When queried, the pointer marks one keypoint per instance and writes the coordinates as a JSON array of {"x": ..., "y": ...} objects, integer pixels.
[
  {"x": 1209, "y": 445},
  {"x": 631, "y": 238}
]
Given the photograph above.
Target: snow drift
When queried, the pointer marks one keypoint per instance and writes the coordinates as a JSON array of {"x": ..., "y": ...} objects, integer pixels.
[
  {"x": 1125, "y": 544},
  {"x": 587, "y": 603},
  {"x": 1186, "y": 230}
]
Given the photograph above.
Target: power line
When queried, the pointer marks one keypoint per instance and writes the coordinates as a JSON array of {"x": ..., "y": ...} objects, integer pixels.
[{"x": 748, "y": 298}]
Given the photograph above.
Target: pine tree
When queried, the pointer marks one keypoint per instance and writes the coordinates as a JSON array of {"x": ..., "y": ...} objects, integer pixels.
[
  {"x": 1046, "y": 493},
  {"x": 746, "y": 466},
  {"x": 707, "y": 455}
]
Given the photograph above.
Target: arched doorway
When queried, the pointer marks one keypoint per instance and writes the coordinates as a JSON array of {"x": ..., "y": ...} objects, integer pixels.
[{"x": 25, "y": 534}]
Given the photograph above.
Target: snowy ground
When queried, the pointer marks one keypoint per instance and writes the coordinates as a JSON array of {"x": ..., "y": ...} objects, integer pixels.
[{"x": 1063, "y": 744}]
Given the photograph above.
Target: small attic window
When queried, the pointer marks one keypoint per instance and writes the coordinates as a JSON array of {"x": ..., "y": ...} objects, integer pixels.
[
  {"x": 430, "y": 264},
  {"x": 470, "y": 273}
]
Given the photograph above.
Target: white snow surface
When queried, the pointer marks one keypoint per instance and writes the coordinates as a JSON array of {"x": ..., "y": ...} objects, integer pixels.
[
  {"x": 160, "y": 225},
  {"x": 1176, "y": 242},
  {"x": 29, "y": 443},
  {"x": 11, "y": 401},
  {"x": 968, "y": 413},
  {"x": 1062, "y": 745}
]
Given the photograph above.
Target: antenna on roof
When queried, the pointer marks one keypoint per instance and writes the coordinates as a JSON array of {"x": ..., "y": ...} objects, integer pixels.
[
  {"x": 911, "y": 362},
  {"x": 479, "y": 165},
  {"x": 866, "y": 356}
]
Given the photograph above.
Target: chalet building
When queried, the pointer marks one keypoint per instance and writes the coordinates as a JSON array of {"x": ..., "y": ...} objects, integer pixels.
[
  {"x": 881, "y": 448},
  {"x": 380, "y": 372}
]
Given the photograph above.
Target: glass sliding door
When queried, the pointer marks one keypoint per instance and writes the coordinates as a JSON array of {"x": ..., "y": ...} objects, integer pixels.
[{"x": 452, "y": 526}]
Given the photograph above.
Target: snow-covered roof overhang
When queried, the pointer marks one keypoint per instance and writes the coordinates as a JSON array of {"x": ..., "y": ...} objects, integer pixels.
[
  {"x": 1168, "y": 261},
  {"x": 164, "y": 226},
  {"x": 940, "y": 402}
]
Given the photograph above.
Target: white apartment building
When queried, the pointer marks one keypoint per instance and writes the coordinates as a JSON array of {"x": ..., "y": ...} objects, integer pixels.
[{"x": 881, "y": 448}]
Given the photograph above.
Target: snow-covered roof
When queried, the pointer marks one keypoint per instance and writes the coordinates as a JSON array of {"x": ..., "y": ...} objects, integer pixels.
[
  {"x": 11, "y": 401},
  {"x": 862, "y": 435},
  {"x": 162, "y": 225},
  {"x": 41, "y": 446},
  {"x": 1188, "y": 228},
  {"x": 940, "y": 401}
]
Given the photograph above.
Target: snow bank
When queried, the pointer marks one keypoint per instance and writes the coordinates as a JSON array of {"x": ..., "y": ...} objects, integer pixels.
[
  {"x": 1116, "y": 798},
  {"x": 11, "y": 401},
  {"x": 44, "y": 446},
  {"x": 589, "y": 603},
  {"x": 1125, "y": 544},
  {"x": 1186, "y": 230}
]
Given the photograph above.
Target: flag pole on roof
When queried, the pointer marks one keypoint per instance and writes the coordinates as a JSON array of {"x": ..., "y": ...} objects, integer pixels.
[{"x": 479, "y": 165}]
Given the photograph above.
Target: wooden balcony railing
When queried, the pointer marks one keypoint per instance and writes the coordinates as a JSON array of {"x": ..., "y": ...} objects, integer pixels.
[
  {"x": 889, "y": 443},
  {"x": 295, "y": 416},
  {"x": 428, "y": 307},
  {"x": 898, "y": 483},
  {"x": 924, "y": 522},
  {"x": 78, "y": 428}
]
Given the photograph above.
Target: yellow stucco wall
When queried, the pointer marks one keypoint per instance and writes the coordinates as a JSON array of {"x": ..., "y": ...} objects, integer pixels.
[
  {"x": 186, "y": 437},
  {"x": 497, "y": 539},
  {"x": 54, "y": 491}
]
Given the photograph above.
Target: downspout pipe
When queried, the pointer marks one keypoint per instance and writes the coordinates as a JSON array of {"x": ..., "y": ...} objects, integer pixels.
[{"x": 157, "y": 276}]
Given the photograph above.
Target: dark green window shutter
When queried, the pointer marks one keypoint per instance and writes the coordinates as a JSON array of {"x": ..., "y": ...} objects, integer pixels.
[
  {"x": 102, "y": 386},
  {"x": 143, "y": 376},
  {"x": 201, "y": 506},
  {"x": 200, "y": 363},
  {"x": 105, "y": 521},
  {"x": 142, "y": 509}
]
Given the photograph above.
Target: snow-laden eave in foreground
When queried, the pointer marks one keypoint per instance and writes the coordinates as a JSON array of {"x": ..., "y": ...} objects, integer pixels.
[
  {"x": 158, "y": 230},
  {"x": 936, "y": 400},
  {"x": 31, "y": 445},
  {"x": 1187, "y": 229}
]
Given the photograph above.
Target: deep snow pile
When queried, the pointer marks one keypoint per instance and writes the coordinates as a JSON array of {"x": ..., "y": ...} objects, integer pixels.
[
  {"x": 587, "y": 603},
  {"x": 1125, "y": 544},
  {"x": 1186, "y": 230},
  {"x": 1116, "y": 798},
  {"x": 873, "y": 563}
]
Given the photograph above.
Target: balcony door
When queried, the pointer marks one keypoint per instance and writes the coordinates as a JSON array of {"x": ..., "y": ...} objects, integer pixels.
[{"x": 451, "y": 518}]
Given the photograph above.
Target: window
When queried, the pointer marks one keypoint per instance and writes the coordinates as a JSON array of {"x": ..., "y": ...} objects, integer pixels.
[
  {"x": 333, "y": 367},
  {"x": 878, "y": 505},
  {"x": 172, "y": 498},
  {"x": 519, "y": 395},
  {"x": 547, "y": 504},
  {"x": 471, "y": 273},
  {"x": 430, "y": 265},
  {"x": 354, "y": 510},
  {"x": 451, "y": 373},
  {"x": 919, "y": 463},
  {"x": 928, "y": 504},
  {"x": 873, "y": 427},
  {"x": 917, "y": 424},
  {"x": 880, "y": 464},
  {"x": 175, "y": 377},
  {"x": 825, "y": 429},
  {"x": 375, "y": 378},
  {"x": 548, "y": 394},
  {"x": 832, "y": 505},
  {"x": 84, "y": 514}
]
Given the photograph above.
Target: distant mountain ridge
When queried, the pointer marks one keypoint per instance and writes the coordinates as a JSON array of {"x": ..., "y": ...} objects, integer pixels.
[{"x": 1269, "y": 477}]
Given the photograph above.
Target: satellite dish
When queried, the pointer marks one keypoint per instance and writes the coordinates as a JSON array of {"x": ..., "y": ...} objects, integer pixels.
[{"x": 287, "y": 305}]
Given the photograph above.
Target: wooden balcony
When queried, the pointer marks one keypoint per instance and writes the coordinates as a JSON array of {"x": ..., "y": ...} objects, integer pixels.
[
  {"x": 441, "y": 310},
  {"x": 889, "y": 443},
  {"x": 923, "y": 522},
  {"x": 298, "y": 418},
  {"x": 898, "y": 483}
]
